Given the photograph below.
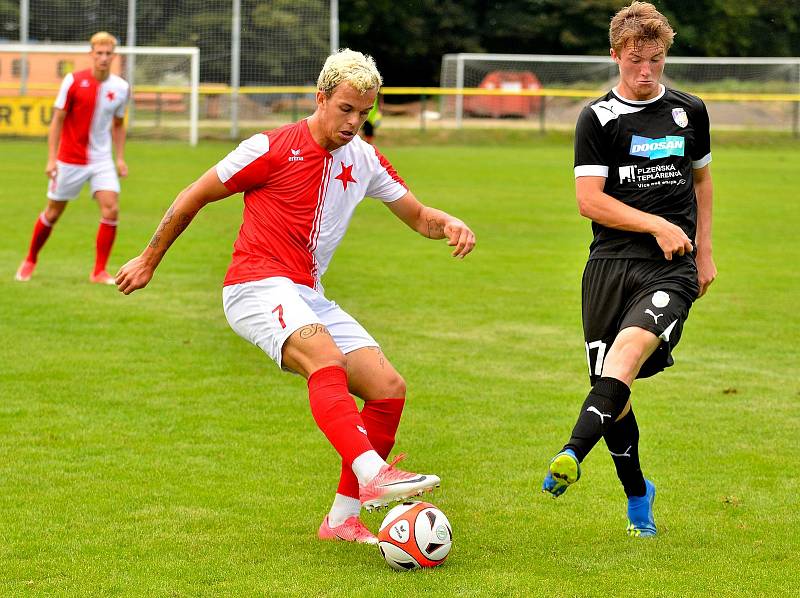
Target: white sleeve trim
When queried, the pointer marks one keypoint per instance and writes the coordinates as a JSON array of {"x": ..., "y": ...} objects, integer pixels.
[
  {"x": 383, "y": 185},
  {"x": 591, "y": 170},
  {"x": 125, "y": 90},
  {"x": 399, "y": 194},
  {"x": 704, "y": 161},
  {"x": 246, "y": 153},
  {"x": 61, "y": 99}
]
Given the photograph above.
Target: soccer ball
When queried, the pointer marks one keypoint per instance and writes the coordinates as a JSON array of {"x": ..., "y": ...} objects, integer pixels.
[{"x": 413, "y": 535}]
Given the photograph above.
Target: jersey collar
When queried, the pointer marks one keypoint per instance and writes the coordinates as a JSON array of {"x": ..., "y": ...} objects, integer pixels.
[{"x": 662, "y": 91}]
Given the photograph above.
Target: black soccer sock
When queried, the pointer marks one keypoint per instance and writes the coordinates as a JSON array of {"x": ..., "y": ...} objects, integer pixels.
[
  {"x": 622, "y": 440},
  {"x": 601, "y": 408}
]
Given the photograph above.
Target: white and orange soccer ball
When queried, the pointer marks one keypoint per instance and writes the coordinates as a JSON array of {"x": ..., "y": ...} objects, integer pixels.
[{"x": 414, "y": 535}]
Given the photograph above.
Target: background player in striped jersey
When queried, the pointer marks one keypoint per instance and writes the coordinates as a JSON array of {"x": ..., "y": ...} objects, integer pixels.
[
  {"x": 301, "y": 184},
  {"x": 88, "y": 119},
  {"x": 642, "y": 175}
]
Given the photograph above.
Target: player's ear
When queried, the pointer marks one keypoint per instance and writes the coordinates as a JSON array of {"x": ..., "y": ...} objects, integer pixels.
[{"x": 321, "y": 97}]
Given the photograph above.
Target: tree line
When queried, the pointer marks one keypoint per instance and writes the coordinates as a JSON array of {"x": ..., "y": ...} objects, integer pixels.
[{"x": 407, "y": 37}]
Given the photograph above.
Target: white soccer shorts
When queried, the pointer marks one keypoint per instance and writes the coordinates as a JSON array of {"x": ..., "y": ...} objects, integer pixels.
[
  {"x": 266, "y": 312},
  {"x": 70, "y": 179}
]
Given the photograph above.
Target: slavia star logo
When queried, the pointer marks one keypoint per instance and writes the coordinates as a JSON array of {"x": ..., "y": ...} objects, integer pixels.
[
  {"x": 110, "y": 96},
  {"x": 346, "y": 175}
]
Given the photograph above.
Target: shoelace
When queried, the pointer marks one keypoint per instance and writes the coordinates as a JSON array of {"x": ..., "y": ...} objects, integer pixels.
[{"x": 397, "y": 460}]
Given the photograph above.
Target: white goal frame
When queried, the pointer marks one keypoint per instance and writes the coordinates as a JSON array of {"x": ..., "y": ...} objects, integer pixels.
[
  {"x": 192, "y": 52},
  {"x": 463, "y": 57}
]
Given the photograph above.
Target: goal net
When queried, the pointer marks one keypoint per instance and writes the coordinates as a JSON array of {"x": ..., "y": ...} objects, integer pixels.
[
  {"x": 739, "y": 92},
  {"x": 280, "y": 43}
]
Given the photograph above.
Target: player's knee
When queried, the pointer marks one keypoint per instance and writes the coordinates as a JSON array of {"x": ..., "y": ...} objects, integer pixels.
[
  {"x": 110, "y": 212},
  {"x": 387, "y": 385},
  {"x": 631, "y": 353},
  {"x": 53, "y": 212},
  {"x": 394, "y": 386},
  {"x": 625, "y": 359},
  {"x": 52, "y": 217}
]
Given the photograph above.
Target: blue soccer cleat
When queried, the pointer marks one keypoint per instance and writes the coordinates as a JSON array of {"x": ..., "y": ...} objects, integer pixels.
[
  {"x": 563, "y": 471},
  {"x": 640, "y": 513}
]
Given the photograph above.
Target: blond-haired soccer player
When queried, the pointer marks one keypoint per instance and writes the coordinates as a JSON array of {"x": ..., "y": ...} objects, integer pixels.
[
  {"x": 88, "y": 120},
  {"x": 642, "y": 155},
  {"x": 301, "y": 184}
]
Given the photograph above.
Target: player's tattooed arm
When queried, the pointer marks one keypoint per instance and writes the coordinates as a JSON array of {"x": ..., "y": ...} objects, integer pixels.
[
  {"x": 136, "y": 273},
  {"x": 442, "y": 225},
  {"x": 154, "y": 242},
  {"x": 173, "y": 224},
  {"x": 434, "y": 224},
  {"x": 187, "y": 204},
  {"x": 435, "y": 228}
]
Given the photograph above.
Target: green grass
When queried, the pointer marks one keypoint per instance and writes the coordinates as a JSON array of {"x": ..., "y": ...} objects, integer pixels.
[{"x": 147, "y": 450}]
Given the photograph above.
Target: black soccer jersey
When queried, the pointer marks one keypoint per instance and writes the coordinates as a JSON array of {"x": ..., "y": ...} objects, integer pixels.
[{"x": 647, "y": 151}]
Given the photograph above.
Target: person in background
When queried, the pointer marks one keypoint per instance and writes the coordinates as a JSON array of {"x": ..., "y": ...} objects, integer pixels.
[{"x": 88, "y": 122}]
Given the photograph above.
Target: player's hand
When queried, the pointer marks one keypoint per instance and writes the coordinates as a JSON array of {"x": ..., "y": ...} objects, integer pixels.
[
  {"x": 459, "y": 236},
  {"x": 122, "y": 168},
  {"x": 51, "y": 170},
  {"x": 671, "y": 239},
  {"x": 706, "y": 271},
  {"x": 134, "y": 275}
]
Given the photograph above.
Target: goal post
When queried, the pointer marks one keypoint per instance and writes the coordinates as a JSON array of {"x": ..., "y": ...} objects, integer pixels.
[
  {"x": 171, "y": 72},
  {"x": 756, "y": 92}
]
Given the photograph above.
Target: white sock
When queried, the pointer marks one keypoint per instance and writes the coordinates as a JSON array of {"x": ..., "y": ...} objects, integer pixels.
[
  {"x": 342, "y": 509},
  {"x": 366, "y": 466}
]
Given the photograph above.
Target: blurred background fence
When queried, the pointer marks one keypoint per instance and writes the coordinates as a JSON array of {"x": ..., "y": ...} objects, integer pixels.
[{"x": 257, "y": 62}]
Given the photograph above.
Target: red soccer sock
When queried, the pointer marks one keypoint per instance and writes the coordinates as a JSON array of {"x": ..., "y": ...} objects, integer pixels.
[
  {"x": 105, "y": 240},
  {"x": 336, "y": 414},
  {"x": 41, "y": 231},
  {"x": 381, "y": 419}
]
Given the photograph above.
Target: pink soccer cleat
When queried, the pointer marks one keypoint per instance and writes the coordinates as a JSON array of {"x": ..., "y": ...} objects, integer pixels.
[
  {"x": 395, "y": 485},
  {"x": 352, "y": 530},
  {"x": 25, "y": 271},
  {"x": 102, "y": 277}
]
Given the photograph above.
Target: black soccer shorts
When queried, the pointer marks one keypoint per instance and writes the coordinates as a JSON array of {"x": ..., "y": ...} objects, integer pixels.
[{"x": 649, "y": 294}]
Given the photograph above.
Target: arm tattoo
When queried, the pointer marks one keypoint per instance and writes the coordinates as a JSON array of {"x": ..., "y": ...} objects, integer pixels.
[
  {"x": 435, "y": 229},
  {"x": 307, "y": 332},
  {"x": 180, "y": 226},
  {"x": 162, "y": 227}
]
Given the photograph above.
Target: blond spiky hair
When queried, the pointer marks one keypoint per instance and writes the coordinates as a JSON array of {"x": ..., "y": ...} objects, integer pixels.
[
  {"x": 355, "y": 68},
  {"x": 102, "y": 38}
]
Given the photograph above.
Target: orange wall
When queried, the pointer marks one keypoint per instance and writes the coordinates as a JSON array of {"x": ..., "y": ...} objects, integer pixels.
[{"x": 43, "y": 70}]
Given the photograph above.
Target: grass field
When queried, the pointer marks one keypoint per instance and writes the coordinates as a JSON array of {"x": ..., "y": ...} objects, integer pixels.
[{"x": 147, "y": 450}]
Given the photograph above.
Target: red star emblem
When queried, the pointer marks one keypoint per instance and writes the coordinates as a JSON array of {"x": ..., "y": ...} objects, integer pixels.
[
  {"x": 110, "y": 96},
  {"x": 346, "y": 175}
]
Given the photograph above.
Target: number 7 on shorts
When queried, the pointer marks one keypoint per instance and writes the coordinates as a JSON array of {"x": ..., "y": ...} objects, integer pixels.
[{"x": 279, "y": 309}]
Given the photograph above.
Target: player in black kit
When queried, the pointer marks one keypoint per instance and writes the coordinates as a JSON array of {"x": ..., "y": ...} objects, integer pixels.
[{"x": 642, "y": 155}]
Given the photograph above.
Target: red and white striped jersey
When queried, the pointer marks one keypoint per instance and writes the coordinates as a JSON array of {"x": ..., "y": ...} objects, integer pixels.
[
  {"x": 298, "y": 200},
  {"x": 91, "y": 106}
]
